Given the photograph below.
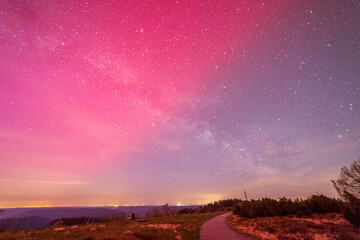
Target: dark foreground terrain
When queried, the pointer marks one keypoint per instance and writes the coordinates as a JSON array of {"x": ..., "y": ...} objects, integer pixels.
[{"x": 171, "y": 227}]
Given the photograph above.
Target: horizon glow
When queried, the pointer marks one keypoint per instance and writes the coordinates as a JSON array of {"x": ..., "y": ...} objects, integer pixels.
[{"x": 142, "y": 103}]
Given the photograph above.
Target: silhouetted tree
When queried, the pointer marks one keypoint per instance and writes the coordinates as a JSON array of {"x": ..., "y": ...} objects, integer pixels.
[
  {"x": 349, "y": 181},
  {"x": 167, "y": 210},
  {"x": 133, "y": 216},
  {"x": 348, "y": 187}
]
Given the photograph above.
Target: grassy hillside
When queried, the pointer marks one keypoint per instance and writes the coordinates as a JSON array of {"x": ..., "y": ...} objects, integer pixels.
[
  {"x": 316, "y": 226},
  {"x": 173, "y": 227}
]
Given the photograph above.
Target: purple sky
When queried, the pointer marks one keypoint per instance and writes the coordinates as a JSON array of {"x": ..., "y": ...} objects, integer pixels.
[{"x": 184, "y": 102}]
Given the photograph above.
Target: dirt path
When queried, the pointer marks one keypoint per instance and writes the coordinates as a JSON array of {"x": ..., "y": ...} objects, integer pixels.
[{"x": 217, "y": 228}]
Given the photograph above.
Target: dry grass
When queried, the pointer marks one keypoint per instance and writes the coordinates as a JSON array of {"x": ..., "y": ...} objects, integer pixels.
[
  {"x": 180, "y": 227},
  {"x": 317, "y": 227}
]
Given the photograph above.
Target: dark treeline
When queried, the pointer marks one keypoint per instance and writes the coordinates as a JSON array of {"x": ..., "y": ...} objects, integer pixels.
[
  {"x": 267, "y": 207},
  {"x": 222, "y": 205}
]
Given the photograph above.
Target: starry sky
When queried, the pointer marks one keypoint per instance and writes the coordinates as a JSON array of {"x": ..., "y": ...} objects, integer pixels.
[{"x": 185, "y": 102}]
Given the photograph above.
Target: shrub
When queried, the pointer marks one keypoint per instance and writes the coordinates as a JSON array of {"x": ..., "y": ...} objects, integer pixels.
[
  {"x": 287, "y": 206},
  {"x": 187, "y": 211},
  {"x": 322, "y": 204},
  {"x": 351, "y": 209}
]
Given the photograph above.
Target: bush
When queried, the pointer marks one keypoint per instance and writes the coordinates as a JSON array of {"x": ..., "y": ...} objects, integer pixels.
[
  {"x": 351, "y": 209},
  {"x": 323, "y": 204},
  {"x": 287, "y": 206},
  {"x": 187, "y": 211}
]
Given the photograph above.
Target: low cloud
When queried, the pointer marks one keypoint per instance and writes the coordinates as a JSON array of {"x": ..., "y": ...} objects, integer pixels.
[{"x": 42, "y": 182}]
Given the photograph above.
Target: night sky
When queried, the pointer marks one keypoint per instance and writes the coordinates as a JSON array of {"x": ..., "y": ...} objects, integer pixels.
[{"x": 185, "y": 102}]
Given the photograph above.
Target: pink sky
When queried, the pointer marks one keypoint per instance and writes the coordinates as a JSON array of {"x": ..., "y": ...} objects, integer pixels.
[{"x": 90, "y": 92}]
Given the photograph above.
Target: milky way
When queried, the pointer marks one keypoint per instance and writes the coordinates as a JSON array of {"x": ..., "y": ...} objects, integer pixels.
[{"x": 185, "y": 102}]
